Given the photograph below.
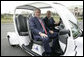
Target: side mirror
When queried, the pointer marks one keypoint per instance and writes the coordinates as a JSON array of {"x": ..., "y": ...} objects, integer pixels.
[{"x": 64, "y": 31}]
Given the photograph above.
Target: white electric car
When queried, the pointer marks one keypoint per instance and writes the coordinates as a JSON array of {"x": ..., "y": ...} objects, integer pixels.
[{"x": 69, "y": 30}]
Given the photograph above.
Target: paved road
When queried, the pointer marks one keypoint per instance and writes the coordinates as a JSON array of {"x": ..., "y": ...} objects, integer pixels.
[{"x": 7, "y": 50}]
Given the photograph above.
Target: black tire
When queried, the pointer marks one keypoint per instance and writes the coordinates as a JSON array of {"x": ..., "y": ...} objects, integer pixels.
[{"x": 9, "y": 41}]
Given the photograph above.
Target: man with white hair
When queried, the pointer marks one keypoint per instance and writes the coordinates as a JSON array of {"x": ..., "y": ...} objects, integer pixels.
[{"x": 50, "y": 24}]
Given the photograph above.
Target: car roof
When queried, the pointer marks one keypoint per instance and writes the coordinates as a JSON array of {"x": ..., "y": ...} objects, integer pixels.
[
  {"x": 33, "y": 6},
  {"x": 64, "y": 13}
]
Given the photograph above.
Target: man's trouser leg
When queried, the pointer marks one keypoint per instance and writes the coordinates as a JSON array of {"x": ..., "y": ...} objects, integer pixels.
[
  {"x": 46, "y": 45},
  {"x": 56, "y": 46}
]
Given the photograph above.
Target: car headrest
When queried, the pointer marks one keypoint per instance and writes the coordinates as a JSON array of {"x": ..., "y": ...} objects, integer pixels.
[{"x": 20, "y": 16}]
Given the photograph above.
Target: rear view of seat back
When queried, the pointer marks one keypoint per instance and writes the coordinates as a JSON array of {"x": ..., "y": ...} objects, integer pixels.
[{"x": 21, "y": 25}]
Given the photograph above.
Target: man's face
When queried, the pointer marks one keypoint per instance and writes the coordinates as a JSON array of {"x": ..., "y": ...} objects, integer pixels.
[
  {"x": 48, "y": 14},
  {"x": 37, "y": 13}
]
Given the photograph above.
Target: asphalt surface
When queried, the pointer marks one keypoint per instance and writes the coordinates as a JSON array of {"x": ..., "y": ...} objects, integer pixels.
[{"x": 6, "y": 49}]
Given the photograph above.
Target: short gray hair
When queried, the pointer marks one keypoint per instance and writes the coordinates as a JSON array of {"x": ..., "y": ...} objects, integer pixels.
[{"x": 37, "y": 9}]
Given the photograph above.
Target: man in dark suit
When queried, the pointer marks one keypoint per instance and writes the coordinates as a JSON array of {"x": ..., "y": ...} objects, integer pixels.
[
  {"x": 40, "y": 31},
  {"x": 50, "y": 24}
]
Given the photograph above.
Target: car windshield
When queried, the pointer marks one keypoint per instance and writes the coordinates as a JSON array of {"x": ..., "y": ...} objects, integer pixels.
[{"x": 75, "y": 30}]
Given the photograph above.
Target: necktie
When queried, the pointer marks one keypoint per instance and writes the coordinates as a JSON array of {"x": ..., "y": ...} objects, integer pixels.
[{"x": 43, "y": 26}]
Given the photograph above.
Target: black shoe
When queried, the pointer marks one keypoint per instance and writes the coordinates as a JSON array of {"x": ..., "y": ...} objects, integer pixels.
[
  {"x": 59, "y": 52},
  {"x": 55, "y": 54},
  {"x": 46, "y": 54}
]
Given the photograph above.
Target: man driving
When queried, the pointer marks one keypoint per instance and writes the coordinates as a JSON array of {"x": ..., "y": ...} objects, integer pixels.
[{"x": 50, "y": 24}]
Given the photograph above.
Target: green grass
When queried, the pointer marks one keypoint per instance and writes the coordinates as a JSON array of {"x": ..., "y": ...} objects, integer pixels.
[
  {"x": 80, "y": 19},
  {"x": 10, "y": 19},
  {"x": 4, "y": 20},
  {"x": 57, "y": 19}
]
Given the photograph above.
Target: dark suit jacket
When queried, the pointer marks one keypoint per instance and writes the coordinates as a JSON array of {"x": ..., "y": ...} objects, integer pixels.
[
  {"x": 50, "y": 23},
  {"x": 36, "y": 27}
]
